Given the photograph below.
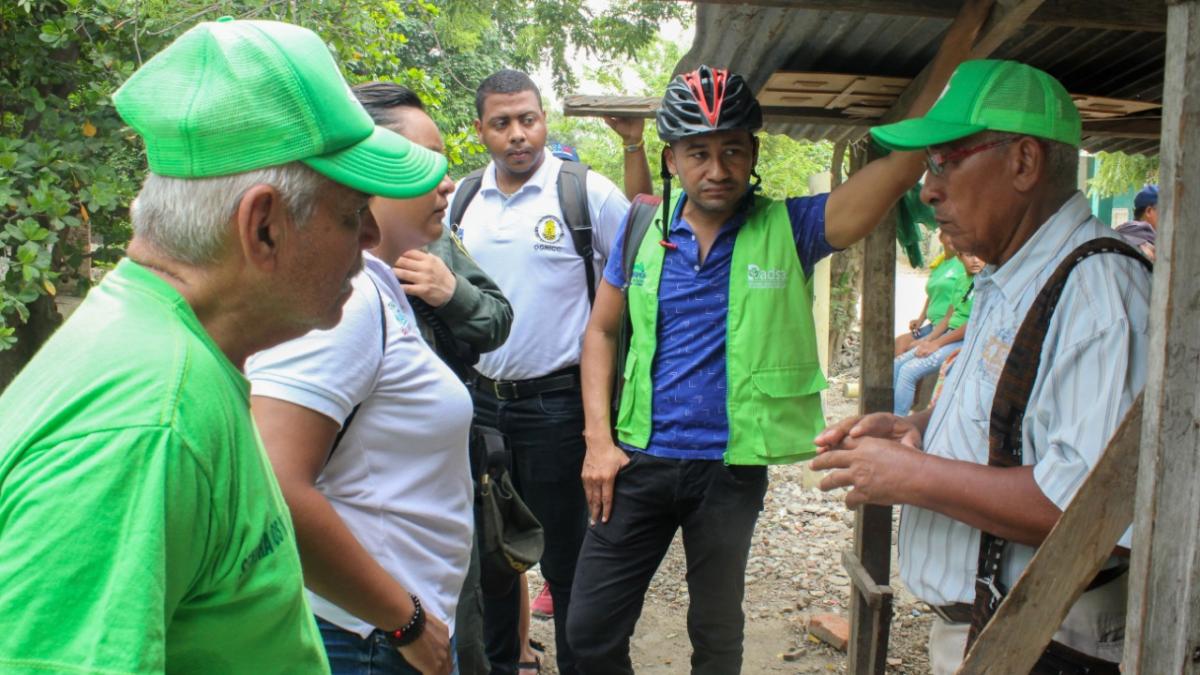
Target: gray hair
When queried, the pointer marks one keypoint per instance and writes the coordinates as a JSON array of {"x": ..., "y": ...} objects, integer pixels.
[
  {"x": 1061, "y": 161},
  {"x": 188, "y": 218}
]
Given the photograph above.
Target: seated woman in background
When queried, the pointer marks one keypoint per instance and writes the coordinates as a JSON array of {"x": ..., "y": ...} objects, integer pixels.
[
  {"x": 382, "y": 508},
  {"x": 945, "y": 271},
  {"x": 927, "y": 354}
]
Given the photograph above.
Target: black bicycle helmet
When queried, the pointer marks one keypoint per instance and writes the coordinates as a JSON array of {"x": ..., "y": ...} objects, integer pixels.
[{"x": 704, "y": 101}]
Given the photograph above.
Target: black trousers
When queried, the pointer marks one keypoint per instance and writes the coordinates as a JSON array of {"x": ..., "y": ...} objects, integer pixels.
[
  {"x": 717, "y": 507},
  {"x": 545, "y": 434}
]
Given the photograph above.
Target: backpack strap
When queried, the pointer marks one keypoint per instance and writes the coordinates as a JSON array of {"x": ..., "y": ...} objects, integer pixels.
[
  {"x": 573, "y": 202},
  {"x": 1008, "y": 410},
  {"x": 464, "y": 192},
  {"x": 383, "y": 332},
  {"x": 642, "y": 212}
]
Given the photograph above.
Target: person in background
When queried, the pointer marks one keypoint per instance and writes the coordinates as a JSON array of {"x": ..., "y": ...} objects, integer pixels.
[
  {"x": 460, "y": 312},
  {"x": 944, "y": 273},
  {"x": 367, "y": 431},
  {"x": 141, "y": 528},
  {"x": 529, "y": 389},
  {"x": 1141, "y": 232},
  {"x": 926, "y": 355}
]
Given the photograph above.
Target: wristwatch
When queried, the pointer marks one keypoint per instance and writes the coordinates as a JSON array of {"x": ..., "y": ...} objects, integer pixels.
[
  {"x": 409, "y": 632},
  {"x": 634, "y": 147}
]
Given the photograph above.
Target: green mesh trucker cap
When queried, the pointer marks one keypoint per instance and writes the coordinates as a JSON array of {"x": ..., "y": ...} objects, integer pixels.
[
  {"x": 990, "y": 95},
  {"x": 233, "y": 96}
]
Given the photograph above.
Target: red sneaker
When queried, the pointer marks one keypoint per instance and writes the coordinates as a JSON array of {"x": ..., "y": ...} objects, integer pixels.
[{"x": 543, "y": 605}]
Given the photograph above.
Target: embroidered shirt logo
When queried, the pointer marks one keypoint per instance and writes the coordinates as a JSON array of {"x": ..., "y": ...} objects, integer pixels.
[
  {"x": 549, "y": 230},
  {"x": 637, "y": 276},
  {"x": 406, "y": 327},
  {"x": 757, "y": 277}
]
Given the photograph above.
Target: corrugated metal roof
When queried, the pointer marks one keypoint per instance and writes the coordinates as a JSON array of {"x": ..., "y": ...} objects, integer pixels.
[{"x": 758, "y": 41}]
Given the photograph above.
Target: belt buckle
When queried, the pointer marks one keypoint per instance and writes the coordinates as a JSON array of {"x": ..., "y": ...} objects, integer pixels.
[{"x": 504, "y": 390}]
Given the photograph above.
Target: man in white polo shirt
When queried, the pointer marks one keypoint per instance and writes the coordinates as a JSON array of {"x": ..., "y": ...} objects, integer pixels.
[
  {"x": 985, "y": 474},
  {"x": 529, "y": 387}
]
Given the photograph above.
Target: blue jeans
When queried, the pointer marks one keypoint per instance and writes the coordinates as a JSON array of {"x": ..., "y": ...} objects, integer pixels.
[
  {"x": 350, "y": 654},
  {"x": 545, "y": 433},
  {"x": 717, "y": 507},
  {"x": 908, "y": 369}
]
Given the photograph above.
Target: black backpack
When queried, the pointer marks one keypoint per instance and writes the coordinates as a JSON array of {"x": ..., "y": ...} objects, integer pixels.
[{"x": 572, "y": 201}]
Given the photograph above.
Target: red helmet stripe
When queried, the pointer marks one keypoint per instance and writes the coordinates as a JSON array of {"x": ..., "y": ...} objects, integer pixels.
[{"x": 711, "y": 112}]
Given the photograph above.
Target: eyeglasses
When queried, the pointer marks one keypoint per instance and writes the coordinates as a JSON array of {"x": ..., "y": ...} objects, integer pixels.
[{"x": 936, "y": 161}]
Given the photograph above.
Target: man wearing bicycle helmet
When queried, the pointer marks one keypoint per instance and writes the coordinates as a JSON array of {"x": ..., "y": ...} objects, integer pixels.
[{"x": 721, "y": 377}]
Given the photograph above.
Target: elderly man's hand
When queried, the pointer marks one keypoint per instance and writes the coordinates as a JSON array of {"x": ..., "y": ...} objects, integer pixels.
[
  {"x": 878, "y": 425},
  {"x": 425, "y": 276},
  {"x": 876, "y": 470}
]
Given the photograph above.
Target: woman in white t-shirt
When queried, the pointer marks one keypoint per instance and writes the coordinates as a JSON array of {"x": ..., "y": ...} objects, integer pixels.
[{"x": 382, "y": 510}]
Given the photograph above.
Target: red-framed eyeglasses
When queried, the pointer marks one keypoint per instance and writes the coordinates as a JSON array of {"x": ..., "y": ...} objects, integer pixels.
[{"x": 936, "y": 161}]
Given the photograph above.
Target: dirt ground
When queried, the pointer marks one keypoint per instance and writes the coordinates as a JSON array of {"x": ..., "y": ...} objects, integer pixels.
[{"x": 794, "y": 570}]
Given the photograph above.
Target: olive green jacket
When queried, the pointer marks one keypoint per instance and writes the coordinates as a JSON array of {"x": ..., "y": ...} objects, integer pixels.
[{"x": 478, "y": 313}]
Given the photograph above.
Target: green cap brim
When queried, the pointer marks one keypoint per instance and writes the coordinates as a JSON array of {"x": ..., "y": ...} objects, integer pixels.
[
  {"x": 921, "y": 132},
  {"x": 385, "y": 164}
]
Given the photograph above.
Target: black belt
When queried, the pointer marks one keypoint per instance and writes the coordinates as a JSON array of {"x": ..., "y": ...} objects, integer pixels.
[
  {"x": 957, "y": 612},
  {"x": 960, "y": 612},
  {"x": 508, "y": 390}
]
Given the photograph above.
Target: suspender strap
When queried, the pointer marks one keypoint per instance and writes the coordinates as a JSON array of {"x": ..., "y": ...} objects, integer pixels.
[{"x": 1008, "y": 410}]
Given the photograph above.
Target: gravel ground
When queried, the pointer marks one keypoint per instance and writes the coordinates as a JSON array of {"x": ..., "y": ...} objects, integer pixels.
[{"x": 793, "y": 573}]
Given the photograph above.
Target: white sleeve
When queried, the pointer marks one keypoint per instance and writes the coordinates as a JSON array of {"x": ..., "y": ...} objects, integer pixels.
[
  {"x": 329, "y": 371},
  {"x": 608, "y": 207}
]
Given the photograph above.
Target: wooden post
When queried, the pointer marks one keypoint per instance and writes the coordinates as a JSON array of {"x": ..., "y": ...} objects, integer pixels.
[
  {"x": 1163, "y": 624},
  {"x": 1066, "y": 561},
  {"x": 871, "y": 617}
]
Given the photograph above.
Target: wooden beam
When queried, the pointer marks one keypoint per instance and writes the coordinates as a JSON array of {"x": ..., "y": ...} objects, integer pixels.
[
  {"x": 1099, "y": 14},
  {"x": 1000, "y": 26},
  {"x": 870, "y": 624},
  {"x": 617, "y": 106},
  {"x": 1066, "y": 562},
  {"x": 1163, "y": 624},
  {"x": 1138, "y": 127}
]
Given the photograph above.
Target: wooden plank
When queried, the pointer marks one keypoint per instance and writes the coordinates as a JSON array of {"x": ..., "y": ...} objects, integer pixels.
[
  {"x": 579, "y": 105},
  {"x": 1137, "y": 127},
  {"x": 870, "y": 626},
  {"x": 1066, "y": 562},
  {"x": 1163, "y": 623},
  {"x": 873, "y": 593},
  {"x": 1135, "y": 15}
]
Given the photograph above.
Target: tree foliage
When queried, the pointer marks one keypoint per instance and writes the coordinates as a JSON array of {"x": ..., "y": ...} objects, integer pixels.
[
  {"x": 66, "y": 158},
  {"x": 1118, "y": 173}
]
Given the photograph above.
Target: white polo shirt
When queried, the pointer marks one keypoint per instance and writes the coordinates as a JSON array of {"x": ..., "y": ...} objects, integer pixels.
[
  {"x": 523, "y": 244},
  {"x": 1093, "y": 367},
  {"x": 400, "y": 477}
]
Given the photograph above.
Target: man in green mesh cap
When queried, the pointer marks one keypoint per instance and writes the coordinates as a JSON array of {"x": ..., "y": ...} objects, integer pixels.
[
  {"x": 985, "y": 474},
  {"x": 141, "y": 528}
]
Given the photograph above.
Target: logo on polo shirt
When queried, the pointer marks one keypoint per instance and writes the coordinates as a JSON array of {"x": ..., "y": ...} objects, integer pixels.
[
  {"x": 549, "y": 231},
  {"x": 637, "y": 275},
  {"x": 758, "y": 277}
]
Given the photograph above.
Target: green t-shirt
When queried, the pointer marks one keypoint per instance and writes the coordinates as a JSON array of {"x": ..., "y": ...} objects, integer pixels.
[
  {"x": 964, "y": 295},
  {"x": 943, "y": 280},
  {"x": 141, "y": 527}
]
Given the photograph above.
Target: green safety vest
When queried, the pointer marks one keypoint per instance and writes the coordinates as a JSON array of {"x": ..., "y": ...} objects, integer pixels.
[{"x": 773, "y": 376}]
